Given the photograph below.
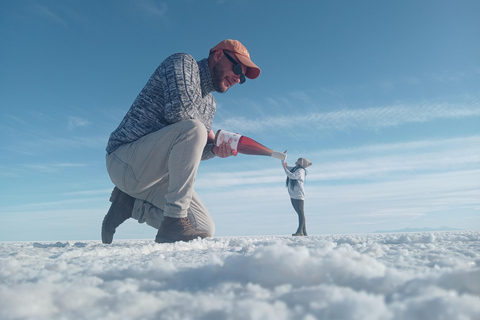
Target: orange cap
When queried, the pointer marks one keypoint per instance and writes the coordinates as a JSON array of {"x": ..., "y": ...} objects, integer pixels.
[{"x": 242, "y": 54}]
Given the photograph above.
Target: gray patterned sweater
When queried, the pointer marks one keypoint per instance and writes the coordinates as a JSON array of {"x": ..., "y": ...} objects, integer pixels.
[{"x": 179, "y": 89}]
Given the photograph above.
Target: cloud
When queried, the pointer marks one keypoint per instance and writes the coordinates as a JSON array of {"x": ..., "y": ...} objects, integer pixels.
[
  {"x": 47, "y": 144},
  {"x": 354, "y": 207},
  {"x": 76, "y": 122},
  {"x": 154, "y": 8},
  {"x": 52, "y": 167},
  {"x": 14, "y": 171},
  {"x": 239, "y": 178},
  {"x": 9, "y": 172},
  {"x": 97, "y": 192},
  {"x": 410, "y": 196},
  {"x": 366, "y": 163},
  {"x": 63, "y": 201},
  {"x": 49, "y": 14},
  {"x": 368, "y": 186},
  {"x": 364, "y": 119},
  {"x": 387, "y": 161}
]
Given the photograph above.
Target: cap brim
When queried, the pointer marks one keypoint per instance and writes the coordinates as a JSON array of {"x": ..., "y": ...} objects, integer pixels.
[{"x": 252, "y": 70}]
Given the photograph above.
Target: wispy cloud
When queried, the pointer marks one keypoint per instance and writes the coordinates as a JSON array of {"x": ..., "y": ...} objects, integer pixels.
[
  {"x": 51, "y": 167},
  {"x": 439, "y": 190},
  {"x": 97, "y": 192},
  {"x": 46, "y": 144},
  {"x": 49, "y": 14},
  {"x": 9, "y": 172},
  {"x": 17, "y": 170},
  {"x": 358, "y": 189},
  {"x": 393, "y": 160},
  {"x": 355, "y": 207},
  {"x": 64, "y": 201},
  {"x": 155, "y": 8},
  {"x": 366, "y": 118},
  {"x": 413, "y": 194},
  {"x": 75, "y": 122},
  {"x": 366, "y": 163}
]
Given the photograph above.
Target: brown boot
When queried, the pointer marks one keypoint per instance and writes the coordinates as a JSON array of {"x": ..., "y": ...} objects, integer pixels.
[
  {"x": 177, "y": 229},
  {"x": 120, "y": 210}
]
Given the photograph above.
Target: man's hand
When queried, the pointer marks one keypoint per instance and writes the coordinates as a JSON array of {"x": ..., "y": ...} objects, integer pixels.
[
  {"x": 285, "y": 165},
  {"x": 224, "y": 150}
]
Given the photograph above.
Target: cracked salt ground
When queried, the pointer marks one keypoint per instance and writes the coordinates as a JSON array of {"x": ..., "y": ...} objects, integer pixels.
[{"x": 367, "y": 276}]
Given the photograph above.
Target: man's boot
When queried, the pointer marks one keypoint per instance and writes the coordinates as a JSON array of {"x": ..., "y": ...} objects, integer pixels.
[
  {"x": 177, "y": 229},
  {"x": 120, "y": 210}
]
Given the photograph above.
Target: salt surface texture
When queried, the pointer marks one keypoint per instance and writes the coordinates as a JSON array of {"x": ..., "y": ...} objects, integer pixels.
[{"x": 369, "y": 276}]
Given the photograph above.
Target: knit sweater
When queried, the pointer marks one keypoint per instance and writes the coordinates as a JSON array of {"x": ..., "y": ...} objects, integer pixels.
[{"x": 179, "y": 89}]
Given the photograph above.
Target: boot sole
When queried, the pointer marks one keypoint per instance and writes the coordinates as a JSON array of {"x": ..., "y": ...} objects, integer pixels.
[{"x": 163, "y": 240}]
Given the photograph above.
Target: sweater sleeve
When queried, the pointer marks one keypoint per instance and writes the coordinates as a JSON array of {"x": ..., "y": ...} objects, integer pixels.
[{"x": 207, "y": 151}]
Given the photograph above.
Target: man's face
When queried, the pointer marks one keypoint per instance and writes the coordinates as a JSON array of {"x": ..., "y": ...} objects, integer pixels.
[{"x": 223, "y": 76}]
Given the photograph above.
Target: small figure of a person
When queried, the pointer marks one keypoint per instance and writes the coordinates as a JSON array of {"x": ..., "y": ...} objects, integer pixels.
[{"x": 295, "y": 179}]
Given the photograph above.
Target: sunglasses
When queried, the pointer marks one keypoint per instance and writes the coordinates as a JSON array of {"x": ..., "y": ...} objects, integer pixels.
[{"x": 237, "y": 68}]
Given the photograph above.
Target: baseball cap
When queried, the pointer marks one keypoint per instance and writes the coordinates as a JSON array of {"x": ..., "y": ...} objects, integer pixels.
[{"x": 242, "y": 55}]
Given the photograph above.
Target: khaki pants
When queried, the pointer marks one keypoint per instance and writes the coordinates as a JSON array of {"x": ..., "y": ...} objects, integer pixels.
[{"x": 158, "y": 170}]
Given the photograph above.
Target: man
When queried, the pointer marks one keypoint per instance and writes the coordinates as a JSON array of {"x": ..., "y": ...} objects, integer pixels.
[{"x": 154, "y": 154}]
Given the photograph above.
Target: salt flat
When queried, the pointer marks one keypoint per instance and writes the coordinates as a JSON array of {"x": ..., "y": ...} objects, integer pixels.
[{"x": 434, "y": 275}]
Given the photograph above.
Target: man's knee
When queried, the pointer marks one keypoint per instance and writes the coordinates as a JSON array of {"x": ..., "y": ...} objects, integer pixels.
[
  {"x": 196, "y": 130},
  {"x": 198, "y": 127}
]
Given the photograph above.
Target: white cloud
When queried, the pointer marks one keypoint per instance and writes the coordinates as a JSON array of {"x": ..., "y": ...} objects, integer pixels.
[
  {"x": 51, "y": 167},
  {"x": 387, "y": 161},
  {"x": 64, "y": 202},
  {"x": 398, "y": 202},
  {"x": 344, "y": 207},
  {"x": 97, "y": 192},
  {"x": 50, "y": 15},
  {"x": 46, "y": 144},
  {"x": 364, "y": 119},
  {"x": 154, "y": 8},
  {"x": 371, "y": 186},
  {"x": 76, "y": 122},
  {"x": 372, "y": 162}
]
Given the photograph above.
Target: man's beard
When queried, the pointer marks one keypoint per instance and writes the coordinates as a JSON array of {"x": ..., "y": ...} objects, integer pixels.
[{"x": 217, "y": 79}]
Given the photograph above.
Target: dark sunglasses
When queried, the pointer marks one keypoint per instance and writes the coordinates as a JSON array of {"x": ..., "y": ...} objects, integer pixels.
[{"x": 237, "y": 68}]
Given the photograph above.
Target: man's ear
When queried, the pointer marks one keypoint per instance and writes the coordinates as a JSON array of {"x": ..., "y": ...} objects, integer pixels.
[{"x": 217, "y": 55}]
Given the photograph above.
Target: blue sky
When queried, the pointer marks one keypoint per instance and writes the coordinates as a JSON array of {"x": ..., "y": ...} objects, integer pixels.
[{"x": 382, "y": 96}]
